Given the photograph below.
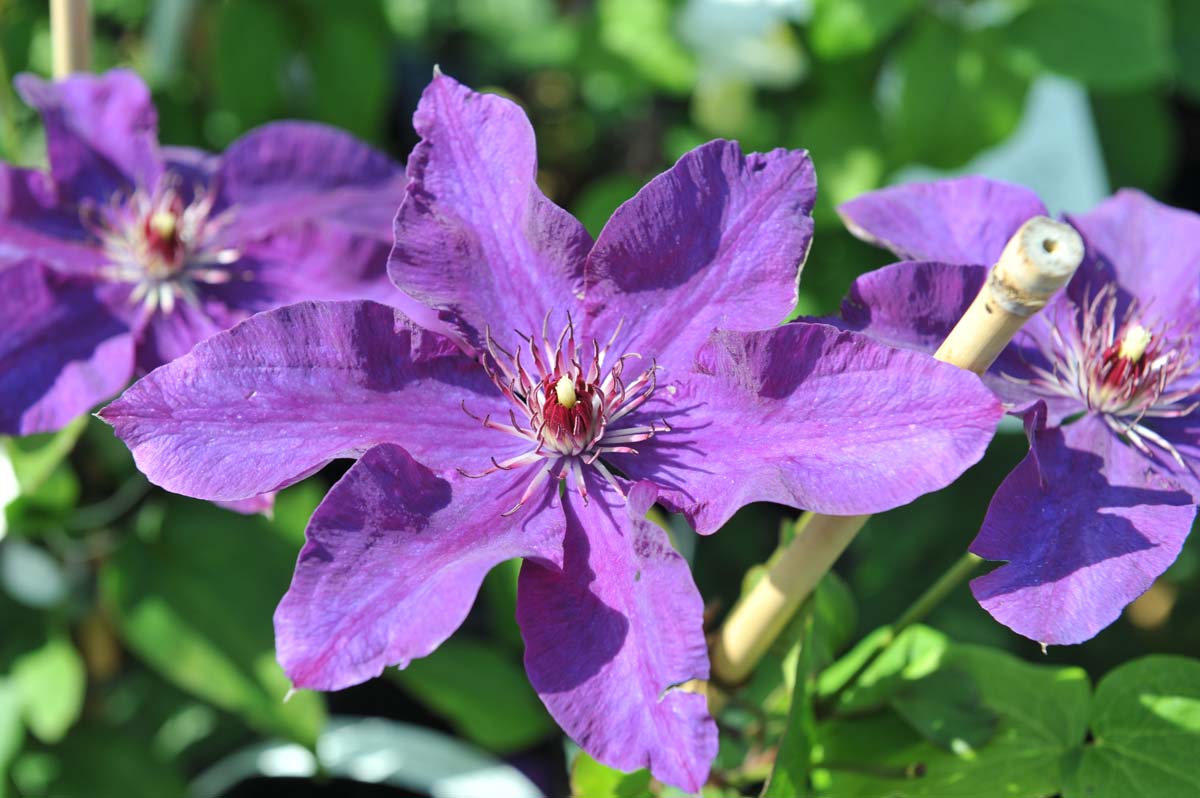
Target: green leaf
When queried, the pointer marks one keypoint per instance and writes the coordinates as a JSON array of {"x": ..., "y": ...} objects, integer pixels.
[
  {"x": 351, "y": 44},
  {"x": 294, "y": 507},
  {"x": 35, "y": 457},
  {"x": 1040, "y": 715},
  {"x": 12, "y": 733},
  {"x": 917, "y": 652},
  {"x": 843, "y": 135},
  {"x": 197, "y": 604},
  {"x": 641, "y": 32},
  {"x": 590, "y": 779},
  {"x": 1146, "y": 732},
  {"x": 840, "y": 28},
  {"x": 253, "y": 44},
  {"x": 1107, "y": 44},
  {"x": 1139, "y": 138},
  {"x": 836, "y": 617},
  {"x": 1186, "y": 32},
  {"x": 51, "y": 682},
  {"x": 789, "y": 776},
  {"x": 95, "y": 761},
  {"x": 481, "y": 691},
  {"x": 947, "y": 709},
  {"x": 958, "y": 94}
]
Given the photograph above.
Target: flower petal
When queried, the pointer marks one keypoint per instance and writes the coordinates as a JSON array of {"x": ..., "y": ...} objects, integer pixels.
[
  {"x": 1151, "y": 250},
  {"x": 164, "y": 337},
  {"x": 291, "y": 173},
  {"x": 477, "y": 243},
  {"x": 101, "y": 131},
  {"x": 960, "y": 220},
  {"x": 196, "y": 167},
  {"x": 35, "y": 222},
  {"x": 394, "y": 558},
  {"x": 63, "y": 348},
  {"x": 263, "y": 503},
  {"x": 308, "y": 260},
  {"x": 611, "y": 634},
  {"x": 1085, "y": 524},
  {"x": 812, "y": 417},
  {"x": 915, "y": 305},
  {"x": 270, "y": 401},
  {"x": 716, "y": 241},
  {"x": 1184, "y": 435}
]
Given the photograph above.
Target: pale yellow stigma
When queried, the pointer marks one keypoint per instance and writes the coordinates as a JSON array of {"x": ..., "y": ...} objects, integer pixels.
[
  {"x": 1134, "y": 344},
  {"x": 163, "y": 223},
  {"x": 565, "y": 388}
]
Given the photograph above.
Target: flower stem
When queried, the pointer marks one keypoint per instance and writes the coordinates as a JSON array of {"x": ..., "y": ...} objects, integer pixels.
[
  {"x": 937, "y": 592},
  {"x": 71, "y": 36},
  {"x": 934, "y": 595},
  {"x": 1038, "y": 260}
]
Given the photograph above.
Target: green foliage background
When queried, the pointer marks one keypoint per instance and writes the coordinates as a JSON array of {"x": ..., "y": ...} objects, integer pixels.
[{"x": 135, "y": 627}]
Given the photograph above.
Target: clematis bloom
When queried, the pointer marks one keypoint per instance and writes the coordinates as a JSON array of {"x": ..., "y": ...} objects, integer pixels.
[
  {"x": 524, "y": 357},
  {"x": 1106, "y": 377},
  {"x": 126, "y": 253}
]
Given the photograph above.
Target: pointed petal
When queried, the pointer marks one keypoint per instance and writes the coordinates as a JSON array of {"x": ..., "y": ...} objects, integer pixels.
[
  {"x": 63, "y": 349},
  {"x": 101, "y": 131},
  {"x": 270, "y": 401},
  {"x": 37, "y": 223},
  {"x": 1151, "y": 250},
  {"x": 1085, "y": 524},
  {"x": 477, "y": 243},
  {"x": 310, "y": 210},
  {"x": 915, "y": 305},
  {"x": 960, "y": 220},
  {"x": 610, "y": 634},
  {"x": 394, "y": 558},
  {"x": 716, "y": 241},
  {"x": 287, "y": 174},
  {"x": 195, "y": 166},
  {"x": 811, "y": 417},
  {"x": 166, "y": 336},
  {"x": 306, "y": 261}
]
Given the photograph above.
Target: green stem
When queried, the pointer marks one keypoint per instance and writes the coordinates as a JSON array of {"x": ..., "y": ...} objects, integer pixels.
[
  {"x": 914, "y": 771},
  {"x": 937, "y": 592},
  {"x": 925, "y": 603},
  {"x": 105, "y": 512}
]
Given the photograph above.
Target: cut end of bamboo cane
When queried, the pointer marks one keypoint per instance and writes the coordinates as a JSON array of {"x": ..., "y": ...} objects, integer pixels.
[{"x": 1038, "y": 260}]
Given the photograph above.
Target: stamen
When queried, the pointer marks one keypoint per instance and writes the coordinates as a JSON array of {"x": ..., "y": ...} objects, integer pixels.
[
  {"x": 1123, "y": 365},
  {"x": 566, "y": 410}
]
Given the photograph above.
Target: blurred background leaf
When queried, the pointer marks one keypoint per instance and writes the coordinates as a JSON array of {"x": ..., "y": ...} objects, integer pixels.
[{"x": 137, "y": 626}]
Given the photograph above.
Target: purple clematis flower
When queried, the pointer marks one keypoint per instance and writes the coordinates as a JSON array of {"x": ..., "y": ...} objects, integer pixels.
[
  {"x": 126, "y": 253},
  {"x": 1107, "y": 378},
  {"x": 526, "y": 357}
]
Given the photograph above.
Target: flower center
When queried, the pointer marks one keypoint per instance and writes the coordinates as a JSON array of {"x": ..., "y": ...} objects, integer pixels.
[
  {"x": 1118, "y": 365},
  {"x": 161, "y": 243},
  {"x": 571, "y": 409}
]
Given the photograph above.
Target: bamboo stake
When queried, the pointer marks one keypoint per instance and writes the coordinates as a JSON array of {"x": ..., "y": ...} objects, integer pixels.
[
  {"x": 71, "y": 36},
  {"x": 1038, "y": 260}
]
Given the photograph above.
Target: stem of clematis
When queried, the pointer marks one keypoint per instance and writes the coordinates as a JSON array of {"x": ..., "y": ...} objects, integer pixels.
[
  {"x": 71, "y": 36},
  {"x": 925, "y": 603},
  {"x": 1037, "y": 261},
  {"x": 937, "y": 592}
]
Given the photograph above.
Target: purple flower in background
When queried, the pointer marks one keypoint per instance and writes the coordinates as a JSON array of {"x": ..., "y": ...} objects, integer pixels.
[
  {"x": 1107, "y": 378},
  {"x": 126, "y": 253},
  {"x": 526, "y": 356}
]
